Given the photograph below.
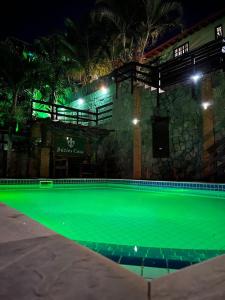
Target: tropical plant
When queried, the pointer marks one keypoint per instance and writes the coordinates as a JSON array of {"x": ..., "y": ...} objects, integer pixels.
[
  {"x": 158, "y": 17},
  {"x": 117, "y": 19},
  {"x": 17, "y": 74},
  {"x": 84, "y": 42},
  {"x": 139, "y": 25},
  {"x": 55, "y": 66}
]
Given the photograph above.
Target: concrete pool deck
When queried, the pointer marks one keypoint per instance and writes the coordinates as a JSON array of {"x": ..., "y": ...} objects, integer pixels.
[{"x": 36, "y": 263}]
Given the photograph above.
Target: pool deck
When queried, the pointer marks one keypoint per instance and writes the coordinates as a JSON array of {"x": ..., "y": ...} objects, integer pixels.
[{"x": 36, "y": 263}]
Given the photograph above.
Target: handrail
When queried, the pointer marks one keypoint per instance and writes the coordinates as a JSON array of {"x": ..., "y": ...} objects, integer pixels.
[
  {"x": 79, "y": 116},
  {"x": 206, "y": 58},
  {"x": 64, "y": 107},
  {"x": 105, "y": 105}
]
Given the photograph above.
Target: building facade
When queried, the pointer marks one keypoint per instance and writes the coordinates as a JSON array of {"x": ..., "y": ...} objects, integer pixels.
[
  {"x": 178, "y": 110},
  {"x": 161, "y": 120}
]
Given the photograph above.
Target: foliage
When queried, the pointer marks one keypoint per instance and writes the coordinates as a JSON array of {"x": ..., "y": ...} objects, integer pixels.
[
  {"x": 137, "y": 26},
  {"x": 85, "y": 41},
  {"x": 17, "y": 74},
  {"x": 56, "y": 65}
]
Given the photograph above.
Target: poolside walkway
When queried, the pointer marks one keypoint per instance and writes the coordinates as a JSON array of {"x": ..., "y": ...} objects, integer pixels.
[
  {"x": 204, "y": 281},
  {"x": 36, "y": 263}
]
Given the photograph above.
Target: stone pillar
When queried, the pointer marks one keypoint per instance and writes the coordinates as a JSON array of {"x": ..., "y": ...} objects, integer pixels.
[
  {"x": 137, "y": 134},
  {"x": 33, "y": 153},
  {"x": 39, "y": 160},
  {"x": 208, "y": 128},
  {"x": 46, "y": 136},
  {"x": 44, "y": 159},
  {"x": 34, "y": 165}
]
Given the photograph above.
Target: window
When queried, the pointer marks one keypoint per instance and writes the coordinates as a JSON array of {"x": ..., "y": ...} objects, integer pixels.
[
  {"x": 181, "y": 50},
  {"x": 160, "y": 137},
  {"x": 219, "y": 32}
]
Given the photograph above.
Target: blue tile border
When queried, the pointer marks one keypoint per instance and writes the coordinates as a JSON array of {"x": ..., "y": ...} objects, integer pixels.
[
  {"x": 152, "y": 257},
  {"x": 139, "y": 183}
]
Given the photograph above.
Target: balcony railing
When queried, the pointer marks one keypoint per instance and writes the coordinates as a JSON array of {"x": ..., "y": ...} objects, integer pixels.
[
  {"x": 205, "y": 59},
  {"x": 73, "y": 115}
]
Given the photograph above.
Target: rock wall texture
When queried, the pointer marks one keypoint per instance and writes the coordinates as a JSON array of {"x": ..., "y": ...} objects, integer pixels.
[{"x": 182, "y": 104}]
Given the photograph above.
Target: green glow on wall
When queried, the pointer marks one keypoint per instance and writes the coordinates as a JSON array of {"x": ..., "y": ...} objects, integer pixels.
[
  {"x": 37, "y": 95},
  {"x": 66, "y": 97},
  {"x": 96, "y": 99},
  {"x": 17, "y": 127}
]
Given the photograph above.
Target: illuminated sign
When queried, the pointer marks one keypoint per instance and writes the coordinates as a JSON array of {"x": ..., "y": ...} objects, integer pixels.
[{"x": 69, "y": 145}]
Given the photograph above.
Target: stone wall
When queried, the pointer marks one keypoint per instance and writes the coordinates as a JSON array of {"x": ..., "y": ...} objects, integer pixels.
[
  {"x": 183, "y": 105},
  {"x": 219, "y": 123},
  {"x": 115, "y": 152}
]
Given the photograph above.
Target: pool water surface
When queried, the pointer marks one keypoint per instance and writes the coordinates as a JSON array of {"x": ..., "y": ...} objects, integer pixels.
[{"x": 127, "y": 216}]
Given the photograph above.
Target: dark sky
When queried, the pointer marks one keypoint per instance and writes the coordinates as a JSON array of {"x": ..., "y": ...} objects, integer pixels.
[{"x": 29, "y": 19}]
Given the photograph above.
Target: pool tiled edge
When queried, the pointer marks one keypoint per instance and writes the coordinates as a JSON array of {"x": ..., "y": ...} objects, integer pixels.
[
  {"x": 159, "y": 184},
  {"x": 169, "y": 258}
]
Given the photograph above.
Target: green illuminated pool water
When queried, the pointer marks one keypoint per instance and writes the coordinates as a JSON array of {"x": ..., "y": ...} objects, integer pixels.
[{"x": 114, "y": 214}]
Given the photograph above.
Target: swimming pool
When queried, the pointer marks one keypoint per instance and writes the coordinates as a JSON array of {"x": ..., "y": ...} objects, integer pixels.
[{"x": 131, "y": 224}]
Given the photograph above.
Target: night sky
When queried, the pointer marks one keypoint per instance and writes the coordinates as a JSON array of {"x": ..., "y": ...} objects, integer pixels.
[{"x": 28, "y": 20}]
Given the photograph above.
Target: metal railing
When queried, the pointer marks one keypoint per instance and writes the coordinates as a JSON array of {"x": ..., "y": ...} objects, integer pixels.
[
  {"x": 73, "y": 115},
  {"x": 205, "y": 59}
]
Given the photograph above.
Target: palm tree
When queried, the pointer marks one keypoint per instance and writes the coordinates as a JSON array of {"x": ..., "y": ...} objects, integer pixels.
[
  {"x": 120, "y": 20},
  {"x": 159, "y": 17},
  {"x": 56, "y": 64},
  {"x": 86, "y": 43},
  {"x": 77, "y": 43},
  {"x": 17, "y": 74},
  {"x": 138, "y": 25}
]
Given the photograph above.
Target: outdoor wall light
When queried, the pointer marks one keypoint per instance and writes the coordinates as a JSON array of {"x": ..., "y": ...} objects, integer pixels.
[
  {"x": 223, "y": 46},
  {"x": 161, "y": 91},
  {"x": 104, "y": 89},
  {"x": 196, "y": 77},
  {"x": 205, "y": 105},
  {"x": 80, "y": 101},
  {"x": 135, "y": 121}
]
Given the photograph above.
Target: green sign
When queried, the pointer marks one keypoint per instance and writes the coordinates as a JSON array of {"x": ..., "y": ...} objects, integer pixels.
[{"x": 69, "y": 145}]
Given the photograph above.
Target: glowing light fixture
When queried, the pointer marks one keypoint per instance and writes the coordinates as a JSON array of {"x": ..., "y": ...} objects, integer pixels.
[
  {"x": 196, "y": 77},
  {"x": 153, "y": 88},
  {"x": 104, "y": 89},
  {"x": 135, "y": 249},
  {"x": 205, "y": 105},
  {"x": 80, "y": 101},
  {"x": 135, "y": 121},
  {"x": 223, "y": 46},
  {"x": 161, "y": 91}
]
